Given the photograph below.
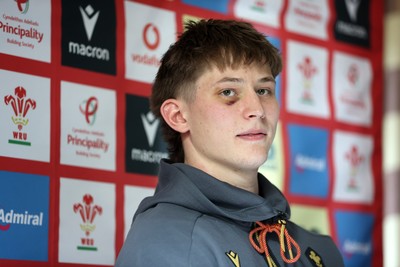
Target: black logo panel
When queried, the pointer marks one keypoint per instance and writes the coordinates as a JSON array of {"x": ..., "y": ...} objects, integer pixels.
[
  {"x": 352, "y": 23},
  {"x": 145, "y": 146},
  {"x": 89, "y": 35}
]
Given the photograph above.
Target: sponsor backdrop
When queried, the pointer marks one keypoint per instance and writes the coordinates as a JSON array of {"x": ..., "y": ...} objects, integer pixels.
[{"x": 79, "y": 147}]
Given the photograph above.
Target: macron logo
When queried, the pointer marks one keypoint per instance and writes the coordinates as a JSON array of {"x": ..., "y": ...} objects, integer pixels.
[
  {"x": 234, "y": 257},
  {"x": 150, "y": 124},
  {"x": 352, "y": 8},
  {"x": 89, "y": 19}
]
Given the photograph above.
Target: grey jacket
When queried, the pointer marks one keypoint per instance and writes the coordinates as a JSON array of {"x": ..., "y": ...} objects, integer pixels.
[{"x": 195, "y": 220}]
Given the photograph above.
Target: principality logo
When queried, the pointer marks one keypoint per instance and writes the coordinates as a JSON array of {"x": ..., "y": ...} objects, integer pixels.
[
  {"x": 89, "y": 17},
  {"x": 88, "y": 212},
  {"x": 23, "y": 6},
  {"x": 353, "y": 97},
  {"x": 355, "y": 159},
  {"x": 308, "y": 70},
  {"x": 151, "y": 36},
  {"x": 21, "y": 106},
  {"x": 89, "y": 109},
  {"x": 353, "y": 74}
]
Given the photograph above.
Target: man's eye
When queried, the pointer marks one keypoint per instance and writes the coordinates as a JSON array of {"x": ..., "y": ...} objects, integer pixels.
[
  {"x": 263, "y": 92},
  {"x": 228, "y": 92}
]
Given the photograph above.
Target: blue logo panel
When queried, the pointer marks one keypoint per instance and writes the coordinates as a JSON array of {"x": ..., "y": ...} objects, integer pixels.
[
  {"x": 277, "y": 43},
  {"x": 355, "y": 237},
  {"x": 309, "y": 175},
  {"x": 24, "y": 215},
  {"x": 220, "y": 6}
]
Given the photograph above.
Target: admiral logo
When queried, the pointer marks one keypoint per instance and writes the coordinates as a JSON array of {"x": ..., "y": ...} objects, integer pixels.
[
  {"x": 308, "y": 70},
  {"x": 88, "y": 212},
  {"x": 8, "y": 218},
  {"x": 89, "y": 42},
  {"x": 21, "y": 106},
  {"x": 352, "y": 24},
  {"x": 151, "y": 38},
  {"x": 303, "y": 162},
  {"x": 355, "y": 159},
  {"x": 352, "y": 247},
  {"x": 23, "y": 6}
]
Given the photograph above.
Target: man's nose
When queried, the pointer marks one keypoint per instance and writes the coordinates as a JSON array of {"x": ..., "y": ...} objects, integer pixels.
[{"x": 253, "y": 107}]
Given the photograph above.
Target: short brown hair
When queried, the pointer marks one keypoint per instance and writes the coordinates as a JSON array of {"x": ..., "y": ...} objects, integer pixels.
[{"x": 206, "y": 43}]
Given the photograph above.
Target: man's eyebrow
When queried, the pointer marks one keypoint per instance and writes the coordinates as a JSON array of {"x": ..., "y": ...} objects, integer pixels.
[
  {"x": 267, "y": 79},
  {"x": 230, "y": 79},
  {"x": 240, "y": 80}
]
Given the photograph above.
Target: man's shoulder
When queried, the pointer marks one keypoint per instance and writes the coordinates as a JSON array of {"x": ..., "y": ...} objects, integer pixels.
[
  {"x": 315, "y": 246},
  {"x": 168, "y": 213},
  {"x": 165, "y": 220},
  {"x": 159, "y": 236}
]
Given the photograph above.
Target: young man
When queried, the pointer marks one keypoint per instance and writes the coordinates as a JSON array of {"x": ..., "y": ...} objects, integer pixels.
[{"x": 215, "y": 95}]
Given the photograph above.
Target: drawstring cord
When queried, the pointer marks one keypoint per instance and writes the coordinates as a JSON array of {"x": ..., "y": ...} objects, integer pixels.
[{"x": 260, "y": 233}]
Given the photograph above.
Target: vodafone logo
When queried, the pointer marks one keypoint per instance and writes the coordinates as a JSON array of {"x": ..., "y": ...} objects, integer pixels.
[{"x": 151, "y": 36}]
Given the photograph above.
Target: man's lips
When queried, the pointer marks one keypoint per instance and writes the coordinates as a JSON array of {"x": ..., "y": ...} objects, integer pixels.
[{"x": 253, "y": 135}]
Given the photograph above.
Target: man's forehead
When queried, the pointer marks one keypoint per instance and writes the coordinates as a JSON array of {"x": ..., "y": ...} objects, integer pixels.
[{"x": 231, "y": 72}]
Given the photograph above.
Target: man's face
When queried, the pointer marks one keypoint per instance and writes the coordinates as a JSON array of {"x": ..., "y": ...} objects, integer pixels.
[{"x": 231, "y": 121}]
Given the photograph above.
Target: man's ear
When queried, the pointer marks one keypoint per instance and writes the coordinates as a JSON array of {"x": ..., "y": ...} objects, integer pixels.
[{"x": 172, "y": 112}]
